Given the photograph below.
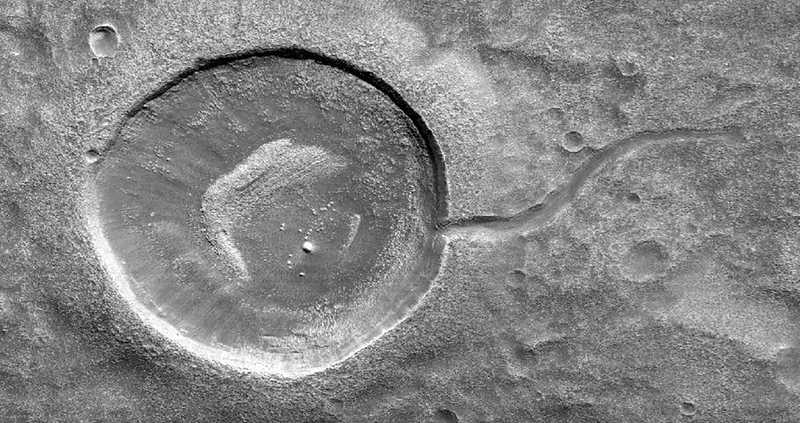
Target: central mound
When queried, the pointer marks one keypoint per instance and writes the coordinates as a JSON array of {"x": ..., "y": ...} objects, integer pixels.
[
  {"x": 271, "y": 213},
  {"x": 256, "y": 189}
]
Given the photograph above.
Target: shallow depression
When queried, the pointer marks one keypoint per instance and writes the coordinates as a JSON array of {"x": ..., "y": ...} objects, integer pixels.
[
  {"x": 103, "y": 41},
  {"x": 270, "y": 213}
]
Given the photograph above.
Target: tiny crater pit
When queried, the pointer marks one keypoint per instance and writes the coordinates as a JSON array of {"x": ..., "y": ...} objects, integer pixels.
[
  {"x": 646, "y": 260},
  {"x": 444, "y": 415},
  {"x": 103, "y": 41},
  {"x": 687, "y": 408},
  {"x": 91, "y": 156},
  {"x": 573, "y": 142}
]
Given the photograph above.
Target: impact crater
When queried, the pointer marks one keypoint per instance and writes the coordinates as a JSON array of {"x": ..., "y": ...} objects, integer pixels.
[{"x": 275, "y": 212}]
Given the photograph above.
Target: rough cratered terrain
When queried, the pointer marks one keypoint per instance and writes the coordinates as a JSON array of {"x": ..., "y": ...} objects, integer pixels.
[{"x": 621, "y": 224}]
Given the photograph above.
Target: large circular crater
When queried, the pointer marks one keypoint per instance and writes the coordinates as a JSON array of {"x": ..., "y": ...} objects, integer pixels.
[{"x": 274, "y": 212}]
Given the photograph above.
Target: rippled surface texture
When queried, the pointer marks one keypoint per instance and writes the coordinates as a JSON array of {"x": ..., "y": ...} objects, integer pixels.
[{"x": 277, "y": 213}]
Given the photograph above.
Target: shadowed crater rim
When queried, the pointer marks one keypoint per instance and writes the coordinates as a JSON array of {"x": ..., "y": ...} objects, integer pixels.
[{"x": 429, "y": 142}]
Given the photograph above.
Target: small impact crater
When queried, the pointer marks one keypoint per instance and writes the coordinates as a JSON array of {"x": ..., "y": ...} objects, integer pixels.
[
  {"x": 573, "y": 142},
  {"x": 626, "y": 68},
  {"x": 688, "y": 408},
  {"x": 633, "y": 197},
  {"x": 515, "y": 278},
  {"x": 103, "y": 41},
  {"x": 556, "y": 115},
  {"x": 91, "y": 156},
  {"x": 444, "y": 415},
  {"x": 646, "y": 260}
]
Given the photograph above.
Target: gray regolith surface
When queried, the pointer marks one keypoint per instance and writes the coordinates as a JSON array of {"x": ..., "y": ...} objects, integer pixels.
[{"x": 622, "y": 238}]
